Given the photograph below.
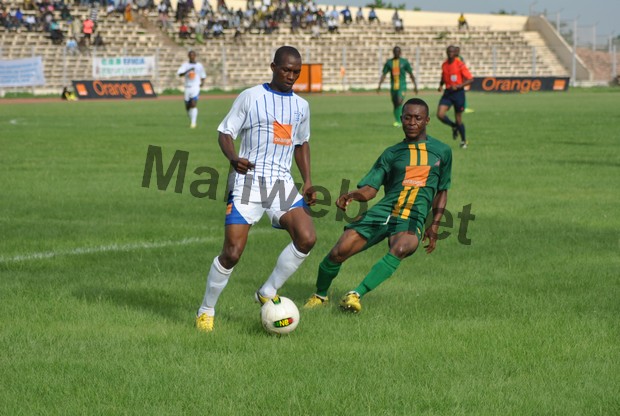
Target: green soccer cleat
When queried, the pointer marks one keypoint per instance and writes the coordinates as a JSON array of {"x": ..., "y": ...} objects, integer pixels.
[
  {"x": 262, "y": 299},
  {"x": 316, "y": 301},
  {"x": 351, "y": 302},
  {"x": 204, "y": 322}
]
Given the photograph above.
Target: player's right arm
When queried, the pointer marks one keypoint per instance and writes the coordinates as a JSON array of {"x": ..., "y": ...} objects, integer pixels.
[
  {"x": 363, "y": 194},
  {"x": 240, "y": 165}
]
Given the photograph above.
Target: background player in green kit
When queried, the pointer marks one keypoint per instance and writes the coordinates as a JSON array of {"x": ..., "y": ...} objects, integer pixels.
[
  {"x": 416, "y": 175},
  {"x": 398, "y": 68}
]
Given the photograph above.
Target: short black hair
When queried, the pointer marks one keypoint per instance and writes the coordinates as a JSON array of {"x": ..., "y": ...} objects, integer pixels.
[
  {"x": 418, "y": 101},
  {"x": 285, "y": 50}
]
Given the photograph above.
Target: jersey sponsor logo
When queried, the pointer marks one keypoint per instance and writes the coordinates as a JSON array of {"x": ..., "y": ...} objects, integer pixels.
[
  {"x": 416, "y": 176},
  {"x": 191, "y": 74},
  {"x": 282, "y": 134}
]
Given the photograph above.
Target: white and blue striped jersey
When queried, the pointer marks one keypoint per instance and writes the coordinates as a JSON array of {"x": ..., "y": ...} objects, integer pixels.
[{"x": 269, "y": 124}]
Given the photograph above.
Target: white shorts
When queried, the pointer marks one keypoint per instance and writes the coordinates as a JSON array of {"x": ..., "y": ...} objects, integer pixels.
[
  {"x": 281, "y": 198},
  {"x": 191, "y": 93}
]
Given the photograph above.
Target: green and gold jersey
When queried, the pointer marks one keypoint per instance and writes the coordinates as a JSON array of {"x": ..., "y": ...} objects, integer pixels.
[
  {"x": 411, "y": 174},
  {"x": 398, "y": 69}
]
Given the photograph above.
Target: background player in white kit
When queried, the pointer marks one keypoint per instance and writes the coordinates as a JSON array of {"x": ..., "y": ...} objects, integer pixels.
[
  {"x": 195, "y": 75},
  {"x": 273, "y": 125}
]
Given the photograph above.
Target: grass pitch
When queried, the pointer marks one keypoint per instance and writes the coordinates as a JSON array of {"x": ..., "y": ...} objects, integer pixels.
[{"x": 100, "y": 277}]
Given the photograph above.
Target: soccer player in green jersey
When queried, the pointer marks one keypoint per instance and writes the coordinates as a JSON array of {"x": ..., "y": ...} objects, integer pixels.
[
  {"x": 398, "y": 68},
  {"x": 415, "y": 175}
]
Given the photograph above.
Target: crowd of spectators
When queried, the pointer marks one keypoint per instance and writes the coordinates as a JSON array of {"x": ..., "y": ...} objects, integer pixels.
[
  {"x": 260, "y": 17},
  {"x": 54, "y": 18}
]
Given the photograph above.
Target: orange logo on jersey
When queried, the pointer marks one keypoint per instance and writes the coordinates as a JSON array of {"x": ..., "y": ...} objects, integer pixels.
[
  {"x": 282, "y": 134},
  {"x": 416, "y": 176},
  {"x": 191, "y": 75},
  {"x": 229, "y": 209}
]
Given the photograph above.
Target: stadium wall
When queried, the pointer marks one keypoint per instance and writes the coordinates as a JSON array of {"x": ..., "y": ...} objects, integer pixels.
[{"x": 558, "y": 45}]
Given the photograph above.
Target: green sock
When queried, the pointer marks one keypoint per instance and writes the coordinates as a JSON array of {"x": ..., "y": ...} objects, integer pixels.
[
  {"x": 379, "y": 273},
  {"x": 328, "y": 270}
]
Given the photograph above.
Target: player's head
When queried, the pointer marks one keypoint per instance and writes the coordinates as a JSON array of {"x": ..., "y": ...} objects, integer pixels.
[
  {"x": 396, "y": 51},
  {"x": 452, "y": 52},
  {"x": 192, "y": 56},
  {"x": 286, "y": 67},
  {"x": 415, "y": 118}
]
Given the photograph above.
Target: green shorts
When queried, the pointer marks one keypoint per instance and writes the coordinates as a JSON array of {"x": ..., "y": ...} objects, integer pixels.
[{"x": 378, "y": 224}]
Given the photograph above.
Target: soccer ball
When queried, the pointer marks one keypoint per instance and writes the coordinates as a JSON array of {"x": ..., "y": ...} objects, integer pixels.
[{"x": 279, "y": 316}]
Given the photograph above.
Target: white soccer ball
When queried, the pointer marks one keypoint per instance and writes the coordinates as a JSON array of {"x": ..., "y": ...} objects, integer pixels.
[{"x": 279, "y": 316}]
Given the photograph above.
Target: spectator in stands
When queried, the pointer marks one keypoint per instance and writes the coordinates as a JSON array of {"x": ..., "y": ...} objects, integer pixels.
[
  {"x": 94, "y": 11},
  {"x": 372, "y": 16},
  {"x": 88, "y": 27},
  {"x": 56, "y": 34},
  {"x": 110, "y": 7},
  {"x": 217, "y": 30},
  {"x": 315, "y": 31},
  {"x": 98, "y": 41},
  {"x": 347, "y": 18},
  {"x": 128, "y": 13},
  {"x": 162, "y": 11},
  {"x": 398, "y": 69},
  {"x": 397, "y": 22},
  {"x": 72, "y": 46},
  {"x": 455, "y": 76},
  {"x": 65, "y": 13},
  {"x": 30, "y": 22},
  {"x": 75, "y": 28},
  {"x": 359, "y": 16},
  {"x": 463, "y": 22},
  {"x": 184, "y": 31}
]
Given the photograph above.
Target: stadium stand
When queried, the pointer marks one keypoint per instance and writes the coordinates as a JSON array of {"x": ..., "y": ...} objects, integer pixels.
[{"x": 493, "y": 45}]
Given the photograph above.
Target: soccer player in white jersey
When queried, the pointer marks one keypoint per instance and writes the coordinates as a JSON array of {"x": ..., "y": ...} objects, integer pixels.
[
  {"x": 273, "y": 125},
  {"x": 195, "y": 75}
]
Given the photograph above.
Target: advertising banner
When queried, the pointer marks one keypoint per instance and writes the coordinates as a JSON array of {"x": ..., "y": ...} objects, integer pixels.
[
  {"x": 26, "y": 72},
  {"x": 310, "y": 79},
  {"x": 519, "y": 84},
  {"x": 123, "y": 89},
  {"x": 124, "y": 66}
]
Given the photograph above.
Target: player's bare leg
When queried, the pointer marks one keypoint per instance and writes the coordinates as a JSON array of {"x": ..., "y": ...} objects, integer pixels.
[{"x": 299, "y": 225}]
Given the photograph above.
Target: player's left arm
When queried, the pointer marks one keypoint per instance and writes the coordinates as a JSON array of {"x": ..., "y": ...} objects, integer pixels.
[
  {"x": 302, "y": 159},
  {"x": 439, "y": 207},
  {"x": 415, "y": 85}
]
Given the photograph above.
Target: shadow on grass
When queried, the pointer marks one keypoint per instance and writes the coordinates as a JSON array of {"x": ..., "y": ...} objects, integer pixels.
[{"x": 152, "y": 301}]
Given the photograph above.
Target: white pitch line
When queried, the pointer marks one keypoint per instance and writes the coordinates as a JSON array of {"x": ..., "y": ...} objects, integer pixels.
[
  {"x": 146, "y": 245},
  {"x": 104, "y": 249}
]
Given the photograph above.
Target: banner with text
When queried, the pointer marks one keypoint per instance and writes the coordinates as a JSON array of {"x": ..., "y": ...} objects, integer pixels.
[
  {"x": 124, "y": 66},
  {"x": 519, "y": 84},
  {"x": 125, "y": 89},
  {"x": 26, "y": 72}
]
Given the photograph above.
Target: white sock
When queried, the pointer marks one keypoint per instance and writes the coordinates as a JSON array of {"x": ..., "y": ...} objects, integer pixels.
[
  {"x": 290, "y": 259},
  {"x": 193, "y": 114},
  {"x": 216, "y": 282}
]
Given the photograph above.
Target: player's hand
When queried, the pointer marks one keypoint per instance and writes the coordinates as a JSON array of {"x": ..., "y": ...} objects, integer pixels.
[
  {"x": 439, "y": 89},
  {"x": 430, "y": 234},
  {"x": 344, "y": 201},
  {"x": 241, "y": 165},
  {"x": 309, "y": 193}
]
